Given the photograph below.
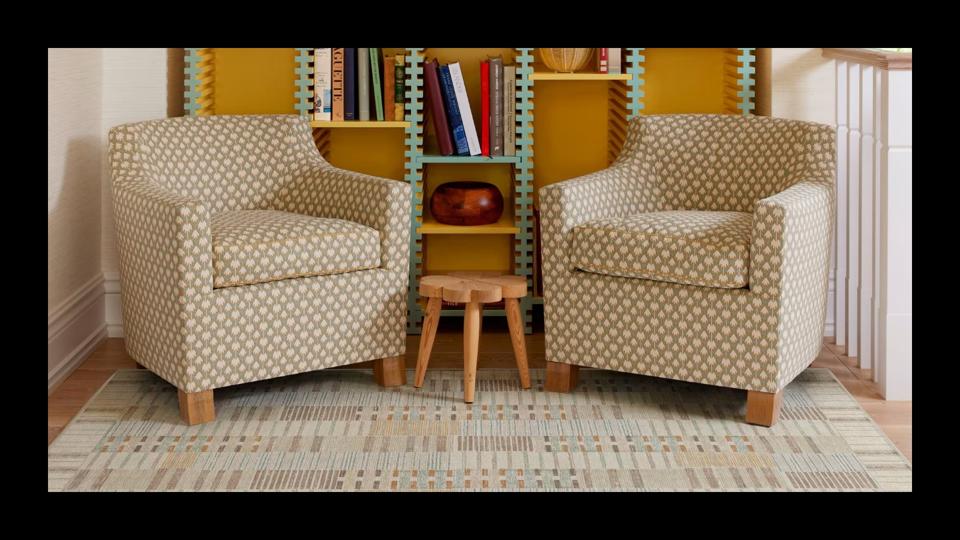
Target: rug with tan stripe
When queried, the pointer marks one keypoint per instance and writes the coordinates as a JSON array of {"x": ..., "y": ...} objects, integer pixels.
[{"x": 336, "y": 430}]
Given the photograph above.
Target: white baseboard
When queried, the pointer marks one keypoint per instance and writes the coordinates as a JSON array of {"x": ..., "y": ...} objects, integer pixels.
[
  {"x": 829, "y": 328},
  {"x": 111, "y": 284},
  {"x": 74, "y": 329}
]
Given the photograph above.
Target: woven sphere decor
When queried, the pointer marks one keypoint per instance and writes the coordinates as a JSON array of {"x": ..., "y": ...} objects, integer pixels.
[{"x": 565, "y": 60}]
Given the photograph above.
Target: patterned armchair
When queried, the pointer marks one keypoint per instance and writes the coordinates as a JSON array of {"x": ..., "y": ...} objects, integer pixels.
[
  {"x": 244, "y": 255},
  {"x": 701, "y": 254}
]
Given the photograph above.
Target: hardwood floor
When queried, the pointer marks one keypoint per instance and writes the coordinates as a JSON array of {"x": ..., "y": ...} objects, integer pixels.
[{"x": 496, "y": 351}]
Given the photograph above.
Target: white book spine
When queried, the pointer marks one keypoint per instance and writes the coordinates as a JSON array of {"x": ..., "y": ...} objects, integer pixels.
[
  {"x": 466, "y": 115},
  {"x": 322, "y": 84},
  {"x": 613, "y": 61}
]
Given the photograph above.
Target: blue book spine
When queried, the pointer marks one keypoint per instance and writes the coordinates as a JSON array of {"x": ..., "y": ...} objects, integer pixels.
[
  {"x": 350, "y": 84},
  {"x": 453, "y": 112}
]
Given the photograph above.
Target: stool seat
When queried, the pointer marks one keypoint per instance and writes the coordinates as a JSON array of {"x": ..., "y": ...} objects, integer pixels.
[{"x": 473, "y": 289}]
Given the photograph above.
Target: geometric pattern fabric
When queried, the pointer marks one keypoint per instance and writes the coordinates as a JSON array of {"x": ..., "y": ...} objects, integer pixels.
[
  {"x": 258, "y": 246},
  {"x": 780, "y": 172},
  {"x": 173, "y": 179},
  {"x": 694, "y": 247}
]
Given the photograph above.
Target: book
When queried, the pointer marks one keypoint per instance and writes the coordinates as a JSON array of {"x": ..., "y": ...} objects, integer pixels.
[
  {"x": 496, "y": 106},
  {"x": 466, "y": 115},
  {"x": 601, "y": 60},
  {"x": 452, "y": 108},
  {"x": 399, "y": 71},
  {"x": 375, "y": 76},
  {"x": 509, "y": 110},
  {"x": 322, "y": 87},
  {"x": 350, "y": 84},
  {"x": 363, "y": 83},
  {"x": 613, "y": 61},
  {"x": 485, "y": 108},
  {"x": 336, "y": 75},
  {"x": 388, "y": 88},
  {"x": 434, "y": 104}
]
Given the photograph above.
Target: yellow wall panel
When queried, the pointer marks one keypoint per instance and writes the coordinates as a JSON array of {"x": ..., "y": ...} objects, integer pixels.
[
  {"x": 684, "y": 80},
  {"x": 569, "y": 128},
  {"x": 254, "y": 81},
  {"x": 378, "y": 152}
]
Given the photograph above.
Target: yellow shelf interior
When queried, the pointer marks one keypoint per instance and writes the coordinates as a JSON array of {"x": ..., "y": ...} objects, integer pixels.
[
  {"x": 359, "y": 124},
  {"x": 503, "y": 226},
  {"x": 542, "y": 76}
]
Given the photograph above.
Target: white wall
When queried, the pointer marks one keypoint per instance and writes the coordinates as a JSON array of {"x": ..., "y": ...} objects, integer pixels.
[
  {"x": 89, "y": 91},
  {"x": 803, "y": 87},
  {"x": 134, "y": 89},
  {"x": 75, "y": 303}
]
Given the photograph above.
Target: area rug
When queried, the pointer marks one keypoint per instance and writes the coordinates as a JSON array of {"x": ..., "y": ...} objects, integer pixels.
[{"x": 336, "y": 430}]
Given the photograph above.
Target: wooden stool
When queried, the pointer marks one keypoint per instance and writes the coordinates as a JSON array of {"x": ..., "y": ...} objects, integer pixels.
[{"x": 473, "y": 289}]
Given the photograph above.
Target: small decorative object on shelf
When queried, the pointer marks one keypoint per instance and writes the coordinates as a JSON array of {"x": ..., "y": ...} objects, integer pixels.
[
  {"x": 565, "y": 60},
  {"x": 466, "y": 203}
]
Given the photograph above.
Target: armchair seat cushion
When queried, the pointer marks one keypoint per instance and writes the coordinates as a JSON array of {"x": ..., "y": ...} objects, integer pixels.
[
  {"x": 258, "y": 246},
  {"x": 692, "y": 247}
]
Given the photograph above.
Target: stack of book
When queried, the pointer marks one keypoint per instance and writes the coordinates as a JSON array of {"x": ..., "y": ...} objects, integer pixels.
[
  {"x": 446, "y": 99},
  {"x": 610, "y": 61},
  {"x": 357, "y": 84}
]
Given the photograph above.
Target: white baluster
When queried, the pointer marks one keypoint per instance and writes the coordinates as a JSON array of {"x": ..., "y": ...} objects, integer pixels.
[
  {"x": 840, "y": 239},
  {"x": 853, "y": 207},
  {"x": 896, "y": 248},
  {"x": 867, "y": 181},
  {"x": 879, "y": 147}
]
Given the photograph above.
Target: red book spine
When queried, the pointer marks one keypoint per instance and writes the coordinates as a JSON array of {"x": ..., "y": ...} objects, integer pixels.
[
  {"x": 435, "y": 104},
  {"x": 601, "y": 60},
  {"x": 485, "y": 108}
]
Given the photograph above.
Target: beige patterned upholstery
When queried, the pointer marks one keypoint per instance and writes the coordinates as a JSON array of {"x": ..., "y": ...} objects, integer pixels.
[
  {"x": 696, "y": 247},
  {"x": 259, "y": 246},
  {"x": 701, "y": 254},
  {"x": 206, "y": 202}
]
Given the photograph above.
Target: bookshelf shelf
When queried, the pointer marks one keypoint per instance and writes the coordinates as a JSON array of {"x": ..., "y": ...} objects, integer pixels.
[
  {"x": 469, "y": 159},
  {"x": 326, "y": 124},
  {"x": 547, "y": 76},
  {"x": 503, "y": 226}
]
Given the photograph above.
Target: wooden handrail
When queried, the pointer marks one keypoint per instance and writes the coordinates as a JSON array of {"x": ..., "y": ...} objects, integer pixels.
[{"x": 882, "y": 59}]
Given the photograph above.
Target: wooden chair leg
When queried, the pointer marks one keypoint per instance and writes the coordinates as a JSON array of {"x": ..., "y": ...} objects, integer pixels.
[
  {"x": 471, "y": 343},
  {"x": 390, "y": 371},
  {"x": 515, "y": 323},
  {"x": 561, "y": 377},
  {"x": 763, "y": 408},
  {"x": 427, "y": 334},
  {"x": 196, "y": 407}
]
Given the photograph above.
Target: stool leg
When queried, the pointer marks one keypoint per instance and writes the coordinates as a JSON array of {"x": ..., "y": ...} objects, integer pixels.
[
  {"x": 471, "y": 344},
  {"x": 515, "y": 322},
  {"x": 427, "y": 334}
]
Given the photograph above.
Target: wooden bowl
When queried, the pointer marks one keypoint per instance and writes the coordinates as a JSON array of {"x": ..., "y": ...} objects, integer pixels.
[
  {"x": 466, "y": 203},
  {"x": 565, "y": 60}
]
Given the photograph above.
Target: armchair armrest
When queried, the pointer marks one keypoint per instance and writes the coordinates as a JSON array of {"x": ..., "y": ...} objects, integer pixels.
[
  {"x": 791, "y": 238},
  {"x": 163, "y": 237},
  {"x": 322, "y": 190},
  {"x": 165, "y": 267},
  {"x": 622, "y": 189}
]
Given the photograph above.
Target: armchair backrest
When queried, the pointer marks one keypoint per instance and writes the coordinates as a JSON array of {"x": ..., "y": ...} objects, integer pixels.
[
  {"x": 727, "y": 162},
  {"x": 230, "y": 162}
]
